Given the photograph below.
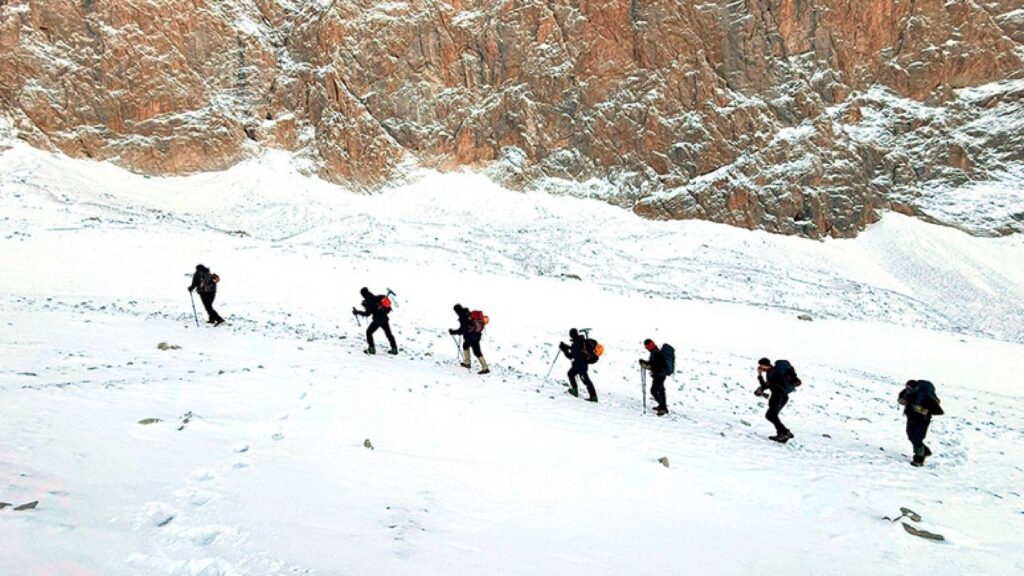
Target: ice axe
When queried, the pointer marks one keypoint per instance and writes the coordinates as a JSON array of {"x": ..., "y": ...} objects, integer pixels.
[{"x": 394, "y": 297}]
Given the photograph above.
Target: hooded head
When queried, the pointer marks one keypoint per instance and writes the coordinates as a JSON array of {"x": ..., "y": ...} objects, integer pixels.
[
  {"x": 650, "y": 345},
  {"x": 574, "y": 333},
  {"x": 201, "y": 268},
  {"x": 763, "y": 365},
  {"x": 366, "y": 292},
  {"x": 458, "y": 309}
]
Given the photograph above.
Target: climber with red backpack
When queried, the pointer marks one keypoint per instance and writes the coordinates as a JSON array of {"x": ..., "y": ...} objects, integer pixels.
[
  {"x": 378, "y": 308},
  {"x": 583, "y": 352},
  {"x": 471, "y": 328}
]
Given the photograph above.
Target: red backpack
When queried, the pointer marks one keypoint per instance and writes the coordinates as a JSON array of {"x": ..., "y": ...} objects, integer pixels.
[{"x": 480, "y": 320}]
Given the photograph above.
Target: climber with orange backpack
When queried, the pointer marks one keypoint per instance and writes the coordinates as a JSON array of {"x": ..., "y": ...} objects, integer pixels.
[
  {"x": 378, "y": 308},
  {"x": 583, "y": 352},
  {"x": 471, "y": 328}
]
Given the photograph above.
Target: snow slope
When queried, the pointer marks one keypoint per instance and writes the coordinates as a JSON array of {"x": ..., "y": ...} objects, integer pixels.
[{"x": 499, "y": 474}]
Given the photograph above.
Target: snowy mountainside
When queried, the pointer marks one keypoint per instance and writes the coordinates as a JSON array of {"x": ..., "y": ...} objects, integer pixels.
[{"x": 499, "y": 474}]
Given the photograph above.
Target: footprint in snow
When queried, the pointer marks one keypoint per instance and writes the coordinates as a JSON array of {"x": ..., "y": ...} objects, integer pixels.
[
  {"x": 201, "y": 475},
  {"x": 197, "y": 497},
  {"x": 241, "y": 447},
  {"x": 277, "y": 436},
  {"x": 159, "y": 514}
]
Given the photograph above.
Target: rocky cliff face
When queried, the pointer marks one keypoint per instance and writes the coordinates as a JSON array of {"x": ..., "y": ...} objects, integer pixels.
[{"x": 796, "y": 116}]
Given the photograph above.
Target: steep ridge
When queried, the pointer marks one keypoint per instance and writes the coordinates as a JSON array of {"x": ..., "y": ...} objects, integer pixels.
[{"x": 799, "y": 117}]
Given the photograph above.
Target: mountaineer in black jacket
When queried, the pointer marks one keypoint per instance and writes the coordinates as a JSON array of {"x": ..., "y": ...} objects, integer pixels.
[
  {"x": 659, "y": 371},
  {"x": 920, "y": 404},
  {"x": 205, "y": 282},
  {"x": 471, "y": 332},
  {"x": 781, "y": 379},
  {"x": 377, "y": 307},
  {"x": 577, "y": 353}
]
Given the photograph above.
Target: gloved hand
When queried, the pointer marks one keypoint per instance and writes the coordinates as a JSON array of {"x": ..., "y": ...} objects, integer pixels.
[
  {"x": 453, "y": 331},
  {"x": 354, "y": 310},
  {"x": 760, "y": 392},
  {"x": 563, "y": 346},
  {"x": 643, "y": 363},
  {"x": 190, "y": 288}
]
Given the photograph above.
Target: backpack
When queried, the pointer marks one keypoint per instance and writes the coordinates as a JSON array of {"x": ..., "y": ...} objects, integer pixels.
[
  {"x": 593, "y": 349},
  {"x": 385, "y": 304},
  {"x": 670, "y": 358},
  {"x": 923, "y": 398},
  {"x": 208, "y": 282},
  {"x": 788, "y": 374},
  {"x": 479, "y": 320}
]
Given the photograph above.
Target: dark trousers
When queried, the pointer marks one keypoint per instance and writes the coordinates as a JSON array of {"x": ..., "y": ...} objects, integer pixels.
[
  {"x": 581, "y": 371},
  {"x": 207, "y": 298},
  {"x": 474, "y": 344},
  {"x": 658, "y": 391},
  {"x": 917, "y": 429},
  {"x": 377, "y": 324},
  {"x": 775, "y": 405}
]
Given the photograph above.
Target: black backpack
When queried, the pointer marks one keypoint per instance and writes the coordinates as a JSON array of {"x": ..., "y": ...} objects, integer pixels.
[
  {"x": 670, "y": 358},
  {"x": 788, "y": 374},
  {"x": 593, "y": 349},
  {"x": 208, "y": 281}
]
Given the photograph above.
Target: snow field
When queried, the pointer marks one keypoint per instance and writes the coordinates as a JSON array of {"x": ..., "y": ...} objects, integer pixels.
[{"x": 500, "y": 474}]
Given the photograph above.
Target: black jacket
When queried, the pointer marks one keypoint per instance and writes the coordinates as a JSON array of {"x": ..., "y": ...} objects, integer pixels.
[
  {"x": 202, "y": 280},
  {"x": 576, "y": 351},
  {"x": 467, "y": 327},
  {"x": 372, "y": 307},
  {"x": 657, "y": 363}
]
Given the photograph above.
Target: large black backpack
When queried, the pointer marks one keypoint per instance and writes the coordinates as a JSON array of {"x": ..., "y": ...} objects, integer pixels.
[
  {"x": 593, "y": 350},
  {"x": 670, "y": 358},
  {"x": 788, "y": 373}
]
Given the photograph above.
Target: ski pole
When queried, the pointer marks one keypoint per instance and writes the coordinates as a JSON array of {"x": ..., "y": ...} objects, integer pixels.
[
  {"x": 555, "y": 359},
  {"x": 194, "y": 315},
  {"x": 643, "y": 387}
]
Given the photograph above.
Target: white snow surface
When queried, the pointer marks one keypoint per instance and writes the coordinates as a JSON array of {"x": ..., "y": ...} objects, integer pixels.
[{"x": 496, "y": 474}]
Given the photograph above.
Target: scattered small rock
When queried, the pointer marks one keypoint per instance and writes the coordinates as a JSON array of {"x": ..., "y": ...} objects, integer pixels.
[
  {"x": 148, "y": 421},
  {"x": 907, "y": 512},
  {"x": 923, "y": 533},
  {"x": 829, "y": 436},
  {"x": 166, "y": 346},
  {"x": 805, "y": 318},
  {"x": 664, "y": 461},
  {"x": 5, "y": 505},
  {"x": 367, "y": 444},
  {"x": 30, "y": 506},
  {"x": 185, "y": 419},
  {"x": 744, "y": 422}
]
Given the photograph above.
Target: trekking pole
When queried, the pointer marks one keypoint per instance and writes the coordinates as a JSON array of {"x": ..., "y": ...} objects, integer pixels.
[
  {"x": 643, "y": 387},
  {"x": 194, "y": 315},
  {"x": 553, "y": 361},
  {"x": 356, "y": 316},
  {"x": 455, "y": 339}
]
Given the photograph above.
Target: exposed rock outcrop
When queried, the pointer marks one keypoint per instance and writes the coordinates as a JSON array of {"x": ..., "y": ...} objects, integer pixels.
[{"x": 796, "y": 116}]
